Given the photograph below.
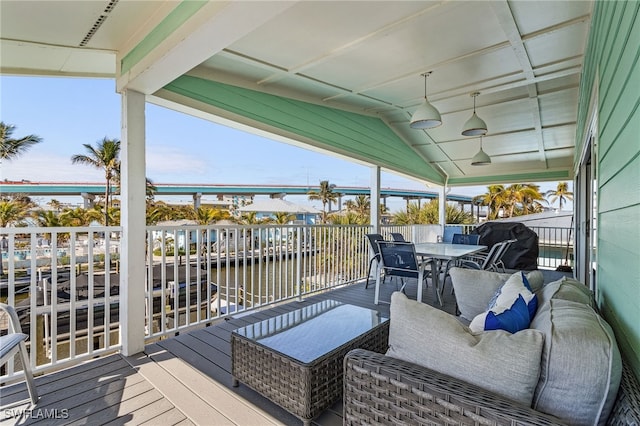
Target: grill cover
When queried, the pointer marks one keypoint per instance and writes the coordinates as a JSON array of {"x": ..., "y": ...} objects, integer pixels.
[{"x": 522, "y": 254}]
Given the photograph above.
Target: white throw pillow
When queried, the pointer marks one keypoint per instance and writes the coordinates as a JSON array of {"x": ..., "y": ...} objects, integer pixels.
[
  {"x": 507, "y": 364},
  {"x": 512, "y": 307}
]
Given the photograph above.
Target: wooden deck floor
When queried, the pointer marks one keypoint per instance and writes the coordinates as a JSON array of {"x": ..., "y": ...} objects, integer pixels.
[{"x": 183, "y": 380}]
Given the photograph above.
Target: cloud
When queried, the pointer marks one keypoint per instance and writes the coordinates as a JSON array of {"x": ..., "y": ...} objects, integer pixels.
[
  {"x": 164, "y": 163},
  {"x": 48, "y": 168}
]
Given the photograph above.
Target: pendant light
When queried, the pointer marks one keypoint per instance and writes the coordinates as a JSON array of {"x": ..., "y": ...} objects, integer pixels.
[
  {"x": 426, "y": 116},
  {"x": 474, "y": 126},
  {"x": 481, "y": 158}
]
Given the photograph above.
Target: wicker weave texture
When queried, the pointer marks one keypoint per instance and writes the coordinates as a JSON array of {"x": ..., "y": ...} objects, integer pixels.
[
  {"x": 303, "y": 390},
  {"x": 626, "y": 411},
  {"x": 386, "y": 391}
]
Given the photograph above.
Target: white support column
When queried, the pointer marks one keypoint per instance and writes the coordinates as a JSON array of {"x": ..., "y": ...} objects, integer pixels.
[
  {"x": 197, "y": 198},
  {"x": 374, "y": 199},
  {"x": 133, "y": 222},
  {"x": 88, "y": 200},
  {"x": 442, "y": 208}
]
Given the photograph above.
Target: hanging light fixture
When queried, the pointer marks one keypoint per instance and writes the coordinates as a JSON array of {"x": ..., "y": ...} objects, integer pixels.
[
  {"x": 426, "y": 116},
  {"x": 481, "y": 158},
  {"x": 474, "y": 126}
]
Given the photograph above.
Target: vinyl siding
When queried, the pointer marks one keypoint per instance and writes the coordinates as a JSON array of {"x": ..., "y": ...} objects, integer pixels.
[{"x": 613, "y": 54}]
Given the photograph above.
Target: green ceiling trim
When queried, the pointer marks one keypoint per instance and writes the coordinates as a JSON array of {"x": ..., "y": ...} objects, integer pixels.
[
  {"x": 359, "y": 136},
  {"x": 168, "y": 26},
  {"x": 512, "y": 178}
]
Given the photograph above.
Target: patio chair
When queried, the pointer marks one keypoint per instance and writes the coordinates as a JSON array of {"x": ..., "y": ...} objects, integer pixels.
[
  {"x": 497, "y": 262},
  {"x": 396, "y": 236},
  {"x": 492, "y": 261},
  {"x": 468, "y": 239},
  {"x": 449, "y": 232},
  {"x": 399, "y": 259},
  {"x": 12, "y": 343},
  {"x": 373, "y": 242}
]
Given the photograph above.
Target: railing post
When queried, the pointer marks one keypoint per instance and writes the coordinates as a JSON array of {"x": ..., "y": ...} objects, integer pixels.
[
  {"x": 374, "y": 210},
  {"x": 299, "y": 283}
]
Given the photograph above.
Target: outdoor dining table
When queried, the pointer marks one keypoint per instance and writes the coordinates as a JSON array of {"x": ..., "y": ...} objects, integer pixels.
[{"x": 439, "y": 252}]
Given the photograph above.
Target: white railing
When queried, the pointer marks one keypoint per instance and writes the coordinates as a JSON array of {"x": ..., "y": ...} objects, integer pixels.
[
  {"x": 555, "y": 246},
  {"x": 201, "y": 273},
  {"x": 64, "y": 285},
  {"x": 195, "y": 275}
]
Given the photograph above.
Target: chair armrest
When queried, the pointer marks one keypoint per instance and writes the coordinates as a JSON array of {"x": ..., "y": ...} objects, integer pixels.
[
  {"x": 14, "y": 321},
  {"x": 384, "y": 390}
]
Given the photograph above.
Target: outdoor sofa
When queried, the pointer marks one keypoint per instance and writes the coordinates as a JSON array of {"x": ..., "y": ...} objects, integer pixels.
[{"x": 564, "y": 368}]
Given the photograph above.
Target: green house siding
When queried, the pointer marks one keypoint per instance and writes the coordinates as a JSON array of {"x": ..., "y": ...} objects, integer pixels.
[
  {"x": 347, "y": 133},
  {"x": 613, "y": 56}
]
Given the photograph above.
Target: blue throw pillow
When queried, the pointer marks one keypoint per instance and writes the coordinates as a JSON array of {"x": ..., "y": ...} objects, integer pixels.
[{"x": 511, "y": 319}]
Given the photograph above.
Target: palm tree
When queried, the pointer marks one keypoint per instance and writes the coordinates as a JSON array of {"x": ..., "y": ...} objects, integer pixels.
[
  {"x": 11, "y": 148},
  {"x": 104, "y": 156},
  {"x": 55, "y": 205},
  {"x": 523, "y": 199},
  {"x": 326, "y": 195},
  {"x": 514, "y": 200},
  {"x": 50, "y": 219},
  {"x": 409, "y": 216},
  {"x": 150, "y": 189},
  {"x": 12, "y": 213},
  {"x": 209, "y": 215},
  {"x": 282, "y": 218},
  {"x": 348, "y": 218},
  {"x": 79, "y": 216},
  {"x": 561, "y": 193},
  {"x": 361, "y": 205},
  {"x": 429, "y": 213},
  {"x": 158, "y": 211},
  {"x": 46, "y": 218},
  {"x": 494, "y": 199}
]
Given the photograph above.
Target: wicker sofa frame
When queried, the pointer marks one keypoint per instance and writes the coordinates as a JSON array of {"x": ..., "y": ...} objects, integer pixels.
[{"x": 387, "y": 391}]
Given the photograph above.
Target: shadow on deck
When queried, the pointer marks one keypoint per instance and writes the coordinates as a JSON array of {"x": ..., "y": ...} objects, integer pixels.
[{"x": 181, "y": 380}]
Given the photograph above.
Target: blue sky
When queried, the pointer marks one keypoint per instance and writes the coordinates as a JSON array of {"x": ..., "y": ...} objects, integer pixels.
[{"x": 69, "y": 112}]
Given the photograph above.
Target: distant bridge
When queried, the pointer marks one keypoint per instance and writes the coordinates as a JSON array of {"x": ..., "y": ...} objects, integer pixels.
[{"x": 197, "y": 190}]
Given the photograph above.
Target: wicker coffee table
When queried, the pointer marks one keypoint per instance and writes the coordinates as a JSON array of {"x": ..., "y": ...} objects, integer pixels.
[{"x": 296, "y": 359}]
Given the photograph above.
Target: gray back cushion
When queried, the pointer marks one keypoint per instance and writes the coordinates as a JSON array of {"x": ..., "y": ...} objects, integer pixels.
[
  {"x": 580, "y": 367},
  {"x": 566, "y": 289}
]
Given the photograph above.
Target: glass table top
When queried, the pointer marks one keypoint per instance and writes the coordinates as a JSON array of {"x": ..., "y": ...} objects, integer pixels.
[
  {"x": 447, "y": 250},
  {"x": 313, "y": 331}
]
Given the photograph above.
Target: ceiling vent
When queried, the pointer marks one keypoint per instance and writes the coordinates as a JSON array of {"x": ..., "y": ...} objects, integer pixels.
[{"x": 96, "y": 25}]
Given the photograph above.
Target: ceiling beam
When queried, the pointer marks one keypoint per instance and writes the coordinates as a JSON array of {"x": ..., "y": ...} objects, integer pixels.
[{"x": 510, "y": 28}]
